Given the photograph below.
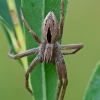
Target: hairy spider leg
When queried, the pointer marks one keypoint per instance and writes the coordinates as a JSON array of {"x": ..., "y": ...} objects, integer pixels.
[
  {"x": 30, "y": 68},
  {"x": 61, "y": 18},
  {"x": 22, "y": 54},
  {"x": 29, "y": 28},
  {"x": 59, "y": 73},
  {"x": 77, "y": 47},
  {"x": 32, "y": 65},
  {"x": 65, "y": 78}
]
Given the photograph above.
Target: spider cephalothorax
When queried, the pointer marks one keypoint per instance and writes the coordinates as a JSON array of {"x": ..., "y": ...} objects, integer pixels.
[{"x": 49, "y": 49}]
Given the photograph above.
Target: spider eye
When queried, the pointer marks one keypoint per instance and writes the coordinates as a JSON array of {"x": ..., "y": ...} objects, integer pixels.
[{"x": 49, "y": 35}]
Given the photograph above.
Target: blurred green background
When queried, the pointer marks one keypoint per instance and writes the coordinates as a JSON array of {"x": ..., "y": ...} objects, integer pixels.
[{"x": 82, "y": 25}]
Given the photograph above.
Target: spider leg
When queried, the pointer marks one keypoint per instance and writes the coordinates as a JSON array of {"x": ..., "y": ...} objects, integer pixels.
[
  {"x": 30, "y": 68},
  {"x": 23, "y": 54},
  {"x": 29, "y": 28},
  {"x": 60, "y": 78},
  {"x": 76, "y": 48},
  {"x": 61, "y": 17},
  {"x": 64, "y": 75}
]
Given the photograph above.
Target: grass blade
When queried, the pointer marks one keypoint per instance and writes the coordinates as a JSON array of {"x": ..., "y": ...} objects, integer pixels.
[{"x": 93, "y": 89}]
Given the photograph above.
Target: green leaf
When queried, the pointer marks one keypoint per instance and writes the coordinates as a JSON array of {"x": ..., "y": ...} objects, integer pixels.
[
  {"x": 6, "y": 18},
  {"x": 10, "y": 28},
  {"x": 93, "y": 89},
  {"x": 18, "y": 4},
  {"x": 9, "y": 34},
  {"x": 43, "y": 78},
  {"x": 5, "y": 26},
  {"x": 4, "y": 12}
]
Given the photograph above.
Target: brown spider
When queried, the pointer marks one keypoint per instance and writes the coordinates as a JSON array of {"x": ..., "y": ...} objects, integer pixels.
[{"x": 49, "y": 49}]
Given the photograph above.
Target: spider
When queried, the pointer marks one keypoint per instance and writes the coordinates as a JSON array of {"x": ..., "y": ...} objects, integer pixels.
[{"x": 49, "y": 49}]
